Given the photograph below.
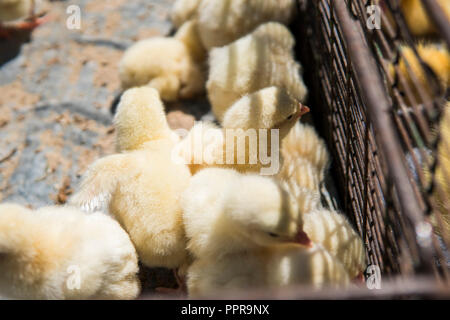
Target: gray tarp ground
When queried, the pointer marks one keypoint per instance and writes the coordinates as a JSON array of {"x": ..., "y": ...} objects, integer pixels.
[{"x": 56, "y": 91}]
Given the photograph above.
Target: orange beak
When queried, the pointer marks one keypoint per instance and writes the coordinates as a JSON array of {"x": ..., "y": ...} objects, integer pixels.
[
  {"x": 303, "y": 239},
  {"x": 303, "y": 110}
]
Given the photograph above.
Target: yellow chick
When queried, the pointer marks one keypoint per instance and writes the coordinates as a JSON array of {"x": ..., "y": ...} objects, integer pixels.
[
  {"x": 141, "y": 185},
  {"x": 249, "y": 118},
  {"x": 225, "y": 211},
  {"x": 64, "y": 253},
  {"x": 256, "y": 61},
  {"x": 435, "y": 56},
  {"x": 221, "y": 22},
  {"x": 417, "y": 18},
  {"x": 305, "y": 158},
  {"x": 232, "y": 217},
  {"x": 300, "y": 173},
  {"x": 337, "y": 236},
  {"x": 305, "y": 161},
  {"x": 302, "y": 141},
  {"x": 183, "y": 11},
  {"x": 168, "y": 64}
]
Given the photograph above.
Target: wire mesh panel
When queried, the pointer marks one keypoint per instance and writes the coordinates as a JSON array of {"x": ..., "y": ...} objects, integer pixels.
[{"x": 377, "y": 172}]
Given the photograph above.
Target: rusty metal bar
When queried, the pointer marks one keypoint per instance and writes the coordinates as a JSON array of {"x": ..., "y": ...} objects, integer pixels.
[
  {"x": 376, "y": 100},
  {"x": 437, "y": 14}
]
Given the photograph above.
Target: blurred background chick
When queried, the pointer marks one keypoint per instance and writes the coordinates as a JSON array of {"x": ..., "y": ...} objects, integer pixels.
[
  {"x": 251, "y": 63},
  {"x": 221, "y": 22},
  {"x": 64, "y": 253},
  {"x": 168, "y": 64}
]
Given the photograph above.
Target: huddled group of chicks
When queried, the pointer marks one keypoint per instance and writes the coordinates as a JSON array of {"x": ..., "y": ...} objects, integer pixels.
[{"x": 217, "y": 225}]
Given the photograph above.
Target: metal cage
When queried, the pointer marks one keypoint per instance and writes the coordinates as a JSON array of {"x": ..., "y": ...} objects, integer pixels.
[{"x": 382, "y": 131}]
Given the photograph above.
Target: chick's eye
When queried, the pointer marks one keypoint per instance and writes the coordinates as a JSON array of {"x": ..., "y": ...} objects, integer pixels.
[
  {"x": 273, "y": 235},
  {"x": 290, "y": 117}
]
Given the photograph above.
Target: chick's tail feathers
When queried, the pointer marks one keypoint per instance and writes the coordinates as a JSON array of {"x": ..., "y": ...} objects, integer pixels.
[
  {"x": 98, "y": 184},
  {"x": 140, "y": 117}
]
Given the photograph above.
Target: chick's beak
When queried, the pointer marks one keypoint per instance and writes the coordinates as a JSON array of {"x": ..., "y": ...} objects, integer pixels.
[
  {"x": 302, "y": 110},
  {"x": 303, "y": 239}
]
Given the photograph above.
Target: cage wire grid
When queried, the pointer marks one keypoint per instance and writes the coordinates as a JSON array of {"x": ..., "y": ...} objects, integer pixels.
[{"x": 335, "y": 41}]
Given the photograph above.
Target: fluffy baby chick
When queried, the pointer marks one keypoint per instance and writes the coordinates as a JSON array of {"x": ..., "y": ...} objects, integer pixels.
[
  {"x": 303, "y": 141},
  {"x": 42, "y": 254},
  {"x": 225, "y": 211},
  {"x": 141, "y": 185},
  {"x": 300, "y": 173},
  {"x": 249, "y": 118},
  {"x": 337, "y": 236},
  {"x": 221, "y": 22},
  {"x": 305, "y": 158},
  {"x": 435, "y": 56},
  {"x": 231, "y": 217},
  {"x": 168, "y": 64},
  {"x": 417, "y": 18},
  {"x": 251, "y": 63},
  {"x": 305, "y": 161}
]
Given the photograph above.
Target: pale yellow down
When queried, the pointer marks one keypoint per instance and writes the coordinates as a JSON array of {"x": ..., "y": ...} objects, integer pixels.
[
  {"x": 242, "y": 231},
  {"x": 15, "y": 9},
  {"x": 249, "y": 64},
  {"x": 269, "y": 108},
  {"x": 221, "y": 22},
  {"x": 336, "y": 235},
  {"x": 307, "y": 199},
  {"x": 225, "y": 211},
  {"x": 436, "y": 57},
  {"x": 305, "y": 161},
  {"x": 303, "y": 141},
  {"x": 43, "y": 254},
  {"x": 417, "y": 18},
  {"x": 141, "y": 185},
  {"x": 301, "y": 174},
  {"x": 305, "y": 158},
  {"x": 165, "y": 63}
]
